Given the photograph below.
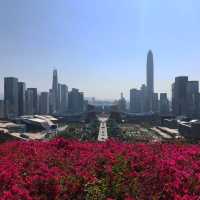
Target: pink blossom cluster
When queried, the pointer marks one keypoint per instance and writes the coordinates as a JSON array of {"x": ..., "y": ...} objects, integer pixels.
[{"x": 66, "y": 169}]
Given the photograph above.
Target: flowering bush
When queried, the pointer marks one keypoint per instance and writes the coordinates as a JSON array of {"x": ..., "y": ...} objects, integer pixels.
[{"x": 64, "y": 169}]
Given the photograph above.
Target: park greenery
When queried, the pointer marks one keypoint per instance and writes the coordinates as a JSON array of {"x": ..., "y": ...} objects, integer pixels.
[{"x": 81, "y": 132}]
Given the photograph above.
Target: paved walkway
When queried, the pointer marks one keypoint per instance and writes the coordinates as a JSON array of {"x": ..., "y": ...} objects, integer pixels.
[{"x": 103, "y": 132}]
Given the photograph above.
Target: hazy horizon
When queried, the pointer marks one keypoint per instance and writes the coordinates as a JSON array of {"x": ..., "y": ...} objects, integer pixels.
[{"x": 99, "y": 47}]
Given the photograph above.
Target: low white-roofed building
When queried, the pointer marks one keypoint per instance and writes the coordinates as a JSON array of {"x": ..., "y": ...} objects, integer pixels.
[{"x": 39, "y": 123}]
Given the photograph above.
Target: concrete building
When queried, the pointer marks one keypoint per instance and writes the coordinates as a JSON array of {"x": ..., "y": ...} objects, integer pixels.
[
  {"x": 135, "y": 101},
  {"x": 11, "y": 97},
  {"x": 76, "y": 101},
  {"x": 164, "y": 104},
  {"x": 179, "y": 96},
  {"x": 44, "y": 103},
  {"x": 150, "y": 80},
  {"x": 22, "y": 98}
]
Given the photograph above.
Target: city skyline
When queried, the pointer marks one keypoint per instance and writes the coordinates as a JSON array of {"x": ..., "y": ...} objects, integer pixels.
[
  {"x": 150, "y": 83},
  {"x": 109, "y": 38}
]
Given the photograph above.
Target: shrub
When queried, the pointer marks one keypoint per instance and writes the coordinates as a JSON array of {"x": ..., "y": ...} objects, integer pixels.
[{"x": 70, "y": 169}]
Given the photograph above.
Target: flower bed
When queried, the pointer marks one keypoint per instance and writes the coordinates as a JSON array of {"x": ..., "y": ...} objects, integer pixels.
[{"x": 63, "y": 169}]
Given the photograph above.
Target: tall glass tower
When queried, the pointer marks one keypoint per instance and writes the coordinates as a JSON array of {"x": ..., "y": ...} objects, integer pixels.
[
  {"x": 150, "y": 80},
  {"x": 11, "y": 97},
  {"x": 150, "y": 72},
  {"x": 55, "y": 92}
]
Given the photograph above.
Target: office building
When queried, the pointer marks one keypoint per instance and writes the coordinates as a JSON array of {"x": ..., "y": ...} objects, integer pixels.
[
  {"x": 179, "y": 96},
  {"x": 50, "y": 102},
  {"x": 22, "y": 98},
  {"x": 11, "y": 97},
  {"x": 2, "y": 109},
  {"x": 135, "y": 101},
  {"x": 150, "y": 80},
  {"x": 63, "y": 98},
  {"x": 35, "y": 100},
  {"x": 144, "y": 99},
  {"x": 59, "y": 98},
  {"x": 193, "y": 98},
  {"x": 55, "y": 93},
  {"x": 164, "y": 104},
  {"x": 44, "y": 103},
  {"x": 155, "y": 103},
  {"x": 76, "y": 101},
  {"x": 29, "y": 102}
]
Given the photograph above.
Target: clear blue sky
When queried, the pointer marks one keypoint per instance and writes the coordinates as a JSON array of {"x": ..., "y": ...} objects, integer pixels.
[{"x": 99, "y": 46}]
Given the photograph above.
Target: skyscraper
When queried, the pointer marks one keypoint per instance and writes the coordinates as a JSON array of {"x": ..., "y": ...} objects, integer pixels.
[
  {"x": 59, "y": 98},
  {"x": 150, "y": 80},
  {"x": 55, "y": 99},
  {"x": 155, "y": 103},
  {"x": 193, "y": 98},
  {"x": 150, "y": 72},
  {"x": 144, "y": 99},
  {"x": 11, "y": 97},
  {"x": 29, "y": 102},
  {"x": 164, "y": 104},
  {"x": 22, "y": 98},
  {"x": 179, "y": 96},
  {"x": 64, "y": 98},
  {"x": 50, "y": 101},
  {"x": 76, "y": 101},
  {"x": 135, "y": 101},
  {"x": 2, "y": 109},
  {"x": 44, "y": 103},
  {"x": 35, "y": 99}
]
